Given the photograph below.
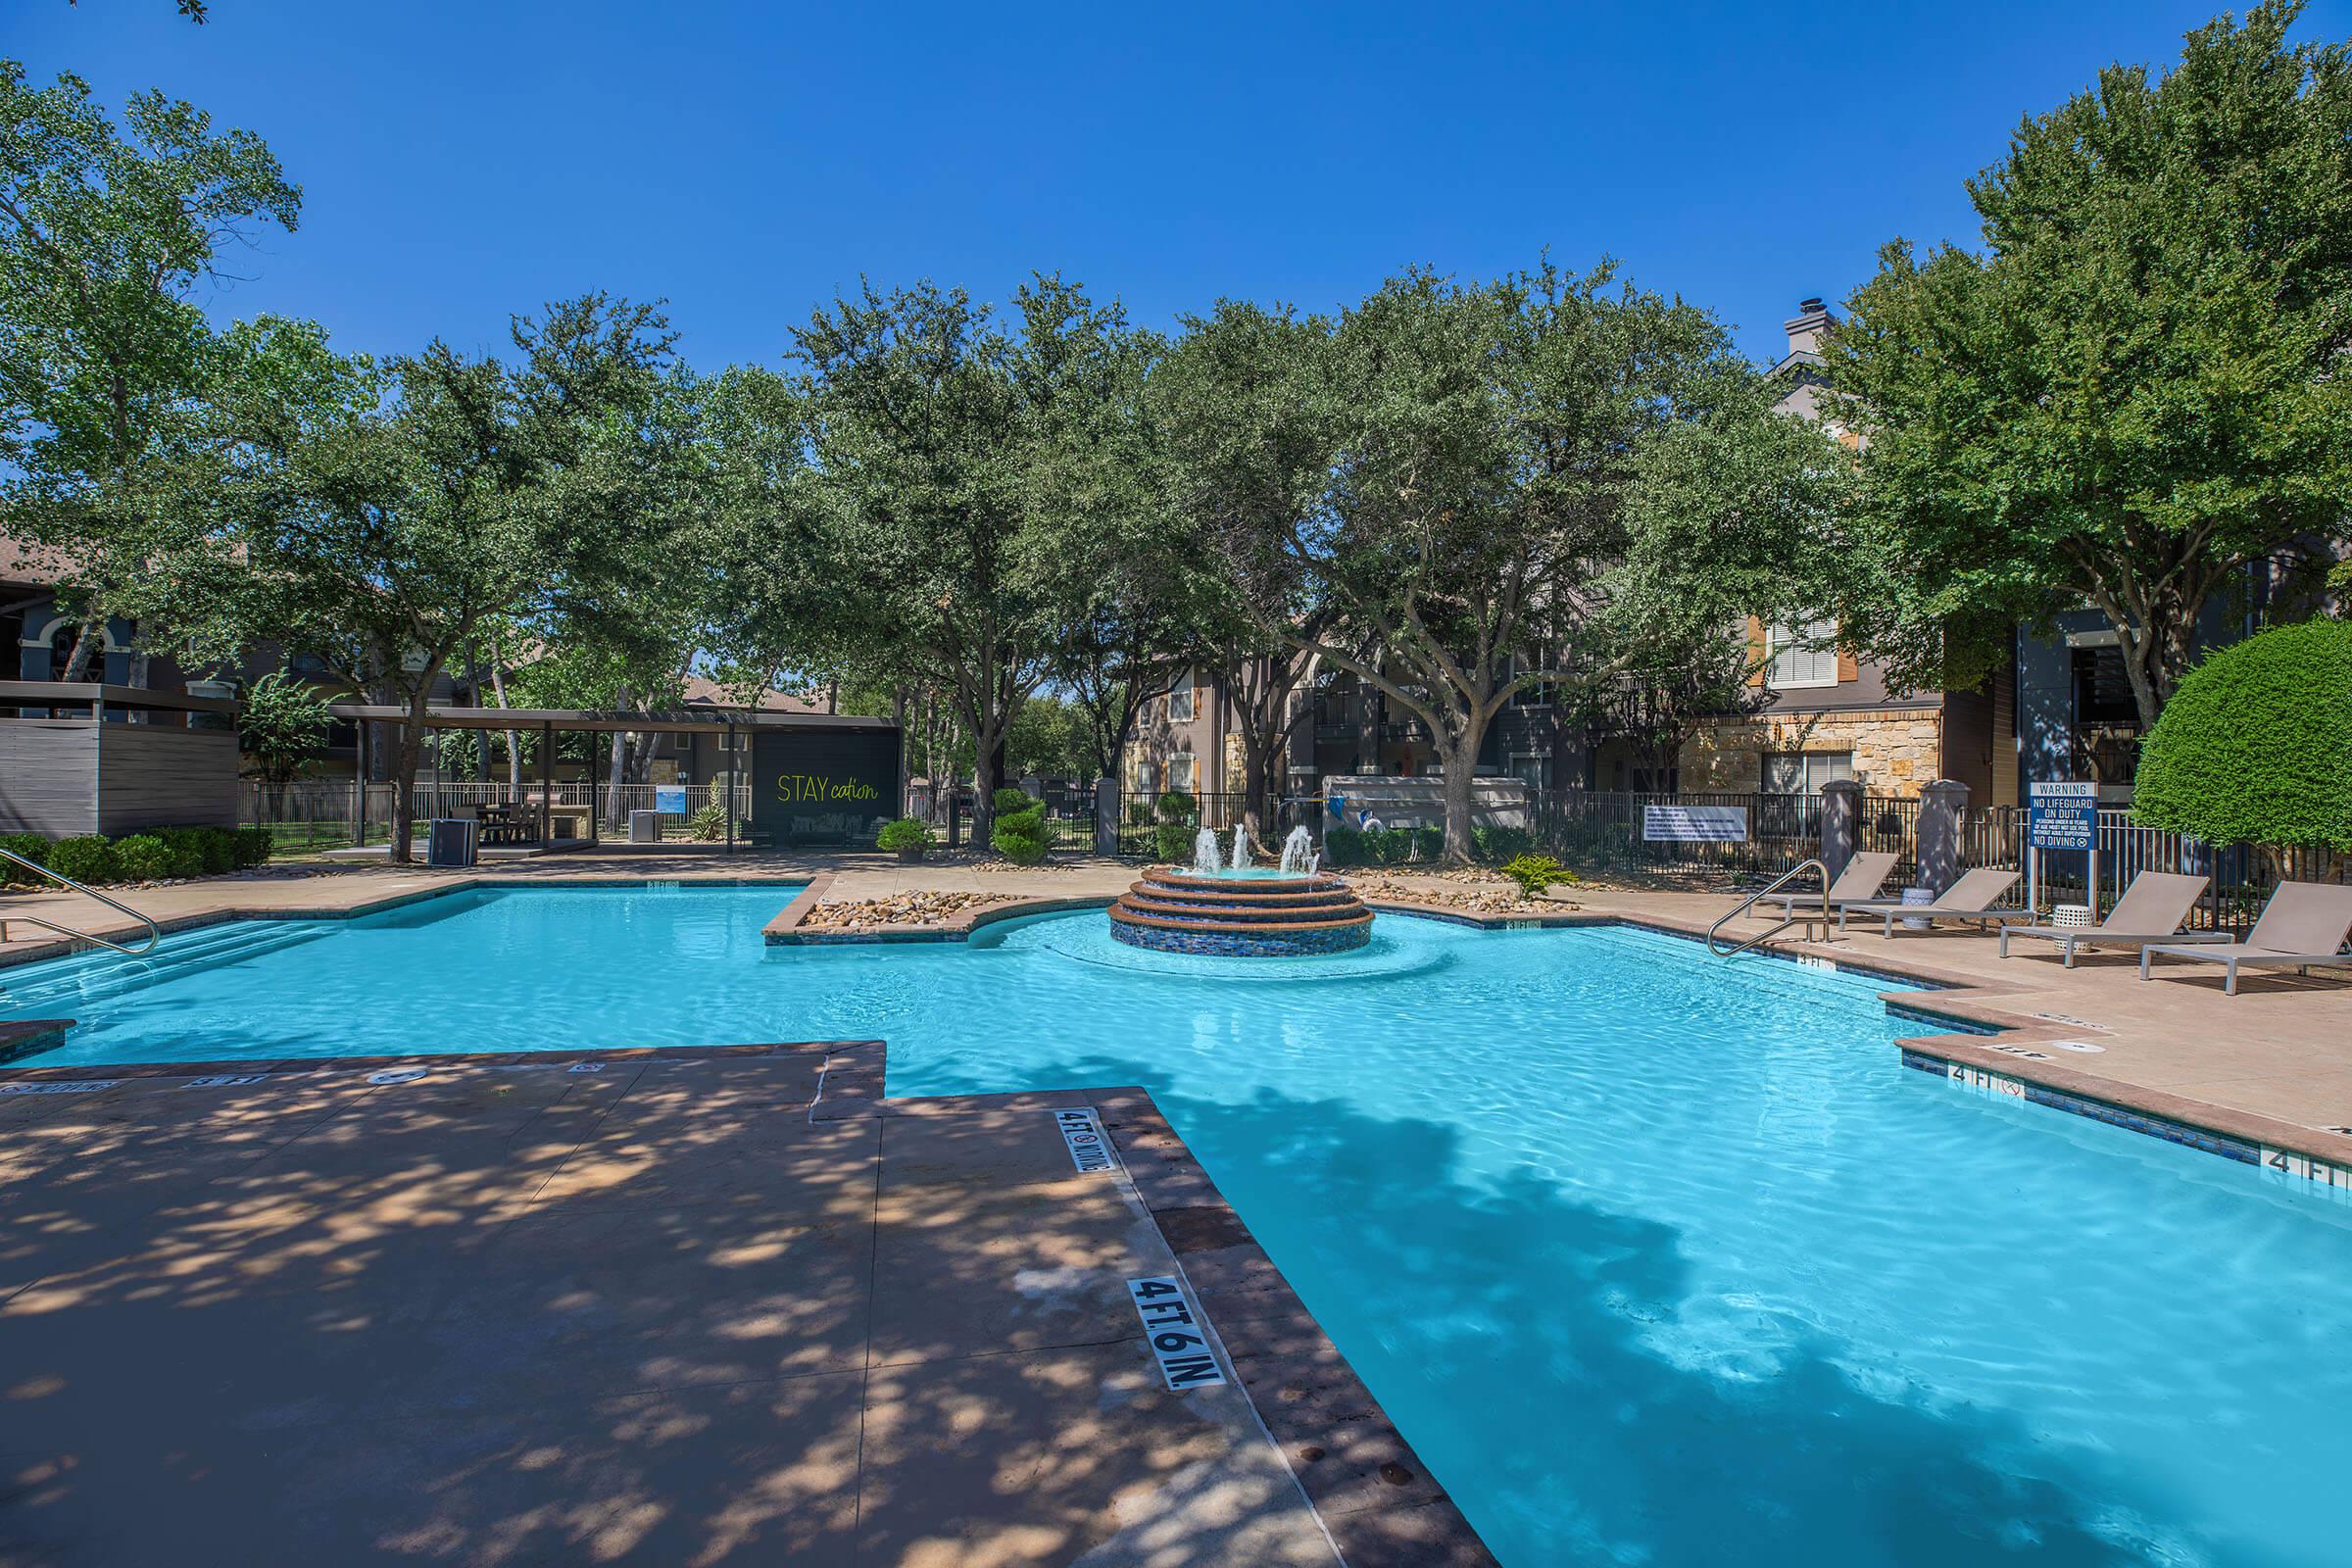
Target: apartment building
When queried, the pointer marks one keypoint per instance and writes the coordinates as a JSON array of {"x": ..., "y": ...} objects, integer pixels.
[{"x": 1818, "y": 712}]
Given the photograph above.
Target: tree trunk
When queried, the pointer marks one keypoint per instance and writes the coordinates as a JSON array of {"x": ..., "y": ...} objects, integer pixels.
[
  {"x": 617, "y": 769},
  {"x": 90, "y": 639},
  {"x": 1459, "y": 770},
  {"x": 498, "y": 685},
  {"x": 1458, "y": 756},
  {"x": 403, "y": 773},
  {"x": 988, "y": 753}
]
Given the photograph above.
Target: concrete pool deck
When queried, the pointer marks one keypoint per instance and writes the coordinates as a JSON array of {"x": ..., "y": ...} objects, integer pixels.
[{"x": 677, "y": 1307}]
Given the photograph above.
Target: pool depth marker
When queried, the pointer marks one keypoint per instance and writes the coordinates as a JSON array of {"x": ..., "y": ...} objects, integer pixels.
[
  {"x": 1178, "y": 1343},
  {"x": 1089, "y": 1150}
]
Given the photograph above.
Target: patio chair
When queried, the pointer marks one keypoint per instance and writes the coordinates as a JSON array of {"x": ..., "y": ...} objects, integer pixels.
[
  {"x": 1860, "y": 881},
  {"x": 2150, "y": 911},
  {"x": 1971, "y": 899},
  {"x": 2302, "y": 927}
]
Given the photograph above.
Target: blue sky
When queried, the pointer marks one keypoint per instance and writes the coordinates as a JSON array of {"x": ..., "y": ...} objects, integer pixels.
[{"x": 745, "y": 160}]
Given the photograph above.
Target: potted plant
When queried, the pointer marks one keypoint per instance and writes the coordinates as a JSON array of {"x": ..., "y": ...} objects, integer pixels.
[{"x": 910, "y": 836}]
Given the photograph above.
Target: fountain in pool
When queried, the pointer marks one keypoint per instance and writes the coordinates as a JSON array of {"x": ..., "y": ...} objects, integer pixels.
[{"x": 1237, "y": 911}]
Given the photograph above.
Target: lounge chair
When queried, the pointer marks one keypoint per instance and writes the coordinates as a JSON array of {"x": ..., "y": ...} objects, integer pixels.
[
  {"x": 1860, "y": 881},
  {"x": 1968, "y": 898},
  {"x": 2150, "y": 911},
  {"x": 2303, "y": 927}
]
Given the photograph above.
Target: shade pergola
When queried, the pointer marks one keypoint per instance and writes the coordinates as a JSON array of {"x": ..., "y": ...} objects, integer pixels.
[{"x": 726, "y": 722}]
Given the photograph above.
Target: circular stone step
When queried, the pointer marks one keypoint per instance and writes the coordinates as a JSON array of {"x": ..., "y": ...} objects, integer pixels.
[{"x": 1259, "y": 917}]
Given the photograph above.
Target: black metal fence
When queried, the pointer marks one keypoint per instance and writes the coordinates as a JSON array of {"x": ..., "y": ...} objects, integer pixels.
[
  {"x": 313, "y": 815},
  {"x": 1603, "y": 830}
]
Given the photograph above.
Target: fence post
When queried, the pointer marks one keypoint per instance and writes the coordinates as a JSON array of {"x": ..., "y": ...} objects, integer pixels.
[
  {"x": 1106, "y": 817},
  {"x": 1942, "y": 806},
  {"x": 1841, "y": 823}
]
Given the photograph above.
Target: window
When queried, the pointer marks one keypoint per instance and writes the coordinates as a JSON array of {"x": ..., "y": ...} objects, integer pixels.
[
  {"x": 1801, "y": 656},
  {"x": 1180, "y": 703},
  {"x": 1804, "y": 773},
  {"x": 1183, "y": 773},
  {"x": 1147, "y": 779}
]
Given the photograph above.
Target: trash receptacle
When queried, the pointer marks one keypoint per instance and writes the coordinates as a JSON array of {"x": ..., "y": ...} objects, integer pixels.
[
  {"x": 450, "y": 841},
  {"x": 645, "y": 827}
]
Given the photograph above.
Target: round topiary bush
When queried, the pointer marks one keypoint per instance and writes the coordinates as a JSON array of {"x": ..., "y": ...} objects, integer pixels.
[
  {"x": 2256, "y": 745},
  {"x": 142, "y": 858},
  {"x": 906, "y": 833},
  {"x": 87, "y": 858}
]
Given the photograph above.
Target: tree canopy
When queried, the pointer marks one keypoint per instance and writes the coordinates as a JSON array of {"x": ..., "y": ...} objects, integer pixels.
[
  {"x": 1461, "y": 491},
  {"x": 2133, "y": 395},
  {"x": 106, "y": 234}
]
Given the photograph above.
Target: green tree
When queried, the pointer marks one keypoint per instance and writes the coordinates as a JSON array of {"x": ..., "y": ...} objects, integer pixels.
[
  {"x": 280, "y": 725},
  {"x": 2134, "y": 396},
  {"x": 1248, "y": 431},
  {"x": 2256, "y": 745},
  {"x": 382, "y": 517},
  {"x": 950, "y": 456},
  {"x": 106, "y": 235},
  {"x": 1532, "y": 482}
]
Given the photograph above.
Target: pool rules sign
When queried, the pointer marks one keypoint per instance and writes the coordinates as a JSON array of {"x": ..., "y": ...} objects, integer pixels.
[{"x": 1178, "y": 1343}]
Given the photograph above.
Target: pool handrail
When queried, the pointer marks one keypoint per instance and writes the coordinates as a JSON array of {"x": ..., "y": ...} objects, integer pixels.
[
  {"x": 1758, "y": 897},
  {"x": 155, "y": 933}
]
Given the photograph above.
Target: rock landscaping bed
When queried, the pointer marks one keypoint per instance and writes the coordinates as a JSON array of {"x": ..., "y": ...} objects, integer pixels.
[
  {"x": 901, "y": 909},
  {"x": 1473, "y": 892}
]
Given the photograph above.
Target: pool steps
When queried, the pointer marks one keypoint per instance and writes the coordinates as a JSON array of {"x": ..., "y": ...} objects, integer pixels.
[{"x": 93, "y": 977}]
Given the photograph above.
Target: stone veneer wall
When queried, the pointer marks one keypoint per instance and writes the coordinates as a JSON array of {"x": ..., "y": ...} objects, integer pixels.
[{"x": 1896, "y": 750}]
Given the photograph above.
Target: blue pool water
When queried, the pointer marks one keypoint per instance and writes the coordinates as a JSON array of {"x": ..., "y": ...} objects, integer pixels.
[{"x": 1656, "y": 1259}]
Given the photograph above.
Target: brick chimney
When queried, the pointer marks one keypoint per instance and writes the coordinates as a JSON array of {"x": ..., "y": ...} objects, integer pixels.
[{"x": 1805, "y": 327}]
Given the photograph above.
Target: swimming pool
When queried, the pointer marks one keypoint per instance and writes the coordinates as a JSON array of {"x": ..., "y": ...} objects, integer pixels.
[{"x": 1655, "y": 1259}]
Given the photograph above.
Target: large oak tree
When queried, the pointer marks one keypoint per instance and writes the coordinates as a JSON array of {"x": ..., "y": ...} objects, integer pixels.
[{"x": 2133, "y": 394}]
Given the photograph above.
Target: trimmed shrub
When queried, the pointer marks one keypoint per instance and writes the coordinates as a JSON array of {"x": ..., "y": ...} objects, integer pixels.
[
  {"x": 1008, "y": 801},
  {"x": 87, "y": 858},
  {"x": 2256, "y": 745},
  {"x": 254, "y": 846},
  {"x": 1424, "y": 843},
  {"x": 32, "y": 846},
  {"x": 142, "y": 858},
  {"x": 187, "y": 845},
  {"x": 1496, "y": 845},
  {"x": 1179, "y": 816},
  {"x": 906, "y": 833},
  {"x": 1022, "y": 837},
  {"x": 1344, "y": 846},
  {"x": 1535, "y": 873},
  {"x": 219, "y": 847}
]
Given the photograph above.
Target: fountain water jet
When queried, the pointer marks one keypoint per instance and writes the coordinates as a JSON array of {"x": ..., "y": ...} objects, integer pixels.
[
  {"x": 1241, "y": 848},
  {"x": 1297, "y": 853},
  {"x": 1204, "y": 852}
]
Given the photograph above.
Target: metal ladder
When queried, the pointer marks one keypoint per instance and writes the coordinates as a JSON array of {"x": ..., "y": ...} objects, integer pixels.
[
  {"x": 1758, "y": 897},
  {"x": 155, "y": 933}
]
